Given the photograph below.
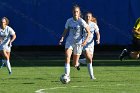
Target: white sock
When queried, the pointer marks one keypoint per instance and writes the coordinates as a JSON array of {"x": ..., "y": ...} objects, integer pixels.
[
  {"x": 90, "y": 70},
  {"x": 67, "y": 69},
  {"x": 77, "y": 64},
  {"x": 8, "y": 65},
  {"x": 83, "y": 61}
]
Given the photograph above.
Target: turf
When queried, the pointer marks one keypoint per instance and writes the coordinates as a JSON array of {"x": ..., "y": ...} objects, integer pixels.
[{"x": 110, "y": 79}]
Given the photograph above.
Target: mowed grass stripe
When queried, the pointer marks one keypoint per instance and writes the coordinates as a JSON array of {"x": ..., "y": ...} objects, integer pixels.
[{"x": 110, "y": 79}]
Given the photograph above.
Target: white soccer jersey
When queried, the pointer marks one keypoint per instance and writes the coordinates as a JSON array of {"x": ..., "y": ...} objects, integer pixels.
[
  {"x": 5, "y": 37},
  {"x": 75, "y": 30},
  {"x": 90, "y": 43},
  {"x": 93, "y": 28}
]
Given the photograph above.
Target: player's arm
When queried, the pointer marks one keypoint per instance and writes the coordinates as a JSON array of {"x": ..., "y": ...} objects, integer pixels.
[
  {"x": 98, "y": 37},
  {"x": 63, "y": 35},
  {"x": 12, "y": 39},
  {"x": 13, "y": 36},
  {"x": 64, "y": 32},
  {"x": 88, "y": 35},
  {"x": 136, "y": 31},
  {"x": 97, "y": 33}
]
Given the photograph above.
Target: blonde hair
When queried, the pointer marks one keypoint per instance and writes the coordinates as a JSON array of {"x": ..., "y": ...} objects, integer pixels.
[{"x": 94, "y": 20}]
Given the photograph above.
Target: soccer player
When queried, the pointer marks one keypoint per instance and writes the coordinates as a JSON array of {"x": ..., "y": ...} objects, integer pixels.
[
  {"x": 133, "y": 51},
  {"x": 7, "y": 36},
  {"x": 74, "y": 41},
  {"x": 88, "y": 50}
]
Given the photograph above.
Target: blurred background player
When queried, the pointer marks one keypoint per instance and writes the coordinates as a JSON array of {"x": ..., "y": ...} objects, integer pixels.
[
  {"x": 7, "y": 36},
  {"x": 133, "y": 51},
  {"x": 74, "y": 41},
  {"x": 88, "y": 50}
]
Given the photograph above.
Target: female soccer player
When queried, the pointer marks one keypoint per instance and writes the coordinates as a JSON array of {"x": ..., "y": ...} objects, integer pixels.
[
  {"x": 7, "y": 36},
  {"x": 74, "y": 41},
  {"x": 134, "y": 50},
  {"x": 88, "y": 50}
]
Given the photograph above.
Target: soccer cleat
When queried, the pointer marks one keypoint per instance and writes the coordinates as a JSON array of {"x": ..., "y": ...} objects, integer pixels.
[
  {"x": 92, "y": 78},
  {"x": 78, "y": 68},
  {"x": 10, "y": 73},
  {"x": 123, "y": 54}
]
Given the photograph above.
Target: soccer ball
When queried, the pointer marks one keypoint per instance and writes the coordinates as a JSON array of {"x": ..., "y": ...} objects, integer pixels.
[{"x": 65, "y": 79}]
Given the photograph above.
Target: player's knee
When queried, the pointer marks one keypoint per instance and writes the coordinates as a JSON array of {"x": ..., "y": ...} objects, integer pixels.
[{"x": 89, "y": 60}]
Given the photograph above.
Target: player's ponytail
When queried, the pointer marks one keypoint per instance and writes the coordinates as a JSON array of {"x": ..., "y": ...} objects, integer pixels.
[{"x": 94, "y": 20}]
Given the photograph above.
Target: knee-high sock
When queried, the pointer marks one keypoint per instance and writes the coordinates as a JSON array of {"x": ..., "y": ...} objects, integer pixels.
[
  {"x": 90, "y": 70},
  {"x": 83, "y": 61},
  {"x": 8, "y": 65},
  {"x": 67, "y": 69}
]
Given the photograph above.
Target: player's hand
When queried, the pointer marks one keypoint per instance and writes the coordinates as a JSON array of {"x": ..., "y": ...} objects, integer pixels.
[
  {"x": 84, "y": 43},
  {"x": 98, "y": 41},
  {"x": 10, "y": 44},
  {"x": 60, "y": 42}
]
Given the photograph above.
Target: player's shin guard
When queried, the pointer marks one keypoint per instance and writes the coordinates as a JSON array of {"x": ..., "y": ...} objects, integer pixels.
[
  {"x": 90, "y": 70},
  {"x": 67, "y": 69}
]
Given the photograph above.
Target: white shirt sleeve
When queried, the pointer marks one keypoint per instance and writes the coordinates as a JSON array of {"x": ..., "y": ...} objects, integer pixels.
[
  {"x": 12, "y": 32},
  {"x": 83, "y": 23},
  {"x": 67, "y": 24},
  {"x": 96, "y": 28}
]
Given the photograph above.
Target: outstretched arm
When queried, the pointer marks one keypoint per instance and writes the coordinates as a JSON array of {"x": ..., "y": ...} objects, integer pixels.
[
  {"x": 98, "y": 37},
  {"x": 63, "y": 35}
]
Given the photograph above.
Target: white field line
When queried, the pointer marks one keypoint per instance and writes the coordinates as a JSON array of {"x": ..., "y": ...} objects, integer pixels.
[{"x": 42, "y": 90}]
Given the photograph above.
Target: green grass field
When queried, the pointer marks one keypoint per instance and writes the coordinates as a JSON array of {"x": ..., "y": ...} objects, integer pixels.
[{"x": 45, "y": 79}]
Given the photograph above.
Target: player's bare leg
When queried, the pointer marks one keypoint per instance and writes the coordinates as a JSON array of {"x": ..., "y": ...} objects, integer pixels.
[
  {"x": 75, "y": 61},
  {"x": 89, "y": 64},
  {"x": 6, "y": 60},
  {"x": 134, "y": 55}
]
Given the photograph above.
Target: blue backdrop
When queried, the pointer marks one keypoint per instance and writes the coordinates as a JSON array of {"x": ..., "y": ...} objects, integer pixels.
[{"x": 41, "y": 22}]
